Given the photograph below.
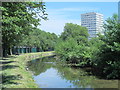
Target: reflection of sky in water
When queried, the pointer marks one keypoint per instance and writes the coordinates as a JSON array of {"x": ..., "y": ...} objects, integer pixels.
[
  {"x": 67, "y": 77},
  {"x": 51, "y": 79}
]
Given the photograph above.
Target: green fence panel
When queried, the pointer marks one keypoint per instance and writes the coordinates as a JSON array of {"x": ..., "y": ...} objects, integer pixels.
[
  {"x": 34, "y": 50},
  {"x": 23, "y": 50}
]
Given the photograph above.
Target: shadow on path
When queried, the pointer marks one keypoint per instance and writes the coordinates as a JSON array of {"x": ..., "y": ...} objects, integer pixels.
[
  {"x": 7, "y": 79},
  {"x": 4, "y": 67},
  {"x": 6, "y": 62}
]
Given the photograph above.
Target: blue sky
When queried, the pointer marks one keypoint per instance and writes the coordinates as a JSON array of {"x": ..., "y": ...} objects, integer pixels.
[{"x": 60, "y": 13}]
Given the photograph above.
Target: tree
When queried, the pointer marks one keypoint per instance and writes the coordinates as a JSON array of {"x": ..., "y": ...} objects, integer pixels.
[
  {"x": 42, "y": 40},
  {"x": 18, "y": 18},
  {"x": 107, "y": 59},
  {"x": 72, "y": 44},
  {"x": 75, "y": 31}
]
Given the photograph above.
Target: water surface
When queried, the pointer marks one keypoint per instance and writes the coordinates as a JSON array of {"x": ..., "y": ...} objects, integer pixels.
[{"x": 48, "y": 73}]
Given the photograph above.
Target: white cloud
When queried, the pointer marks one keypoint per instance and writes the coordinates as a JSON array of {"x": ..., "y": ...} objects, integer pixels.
[
  {"x": 58, "y": 18},
  {"x": 56, "y": 25}
]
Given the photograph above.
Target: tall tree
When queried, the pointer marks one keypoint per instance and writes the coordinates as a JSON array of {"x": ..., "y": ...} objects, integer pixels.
[
  {"x": 75, "y": 31},
  {"x": 108, "y": 57},
  {"x": 18, "y": 18},
  {"x": 72, "y": 44}
]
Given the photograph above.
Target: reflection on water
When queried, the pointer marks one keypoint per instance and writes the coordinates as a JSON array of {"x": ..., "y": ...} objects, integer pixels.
[{"x": 48, "y": 73}]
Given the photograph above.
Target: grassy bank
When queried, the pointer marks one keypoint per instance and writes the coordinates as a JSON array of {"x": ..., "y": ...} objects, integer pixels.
[{"x": 14, "y": 73}]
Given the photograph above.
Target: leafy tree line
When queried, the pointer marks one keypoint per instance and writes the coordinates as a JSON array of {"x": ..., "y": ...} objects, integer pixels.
[
  {"x": 43, "y": 41},
  {"x": 18, "y": 19},
  {"x": 102, "y": 52}
]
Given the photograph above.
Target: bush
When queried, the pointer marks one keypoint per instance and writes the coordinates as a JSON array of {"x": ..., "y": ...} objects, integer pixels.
[
  {"x": 71, "y": 52},
  {"x": 107, "y": 59}
]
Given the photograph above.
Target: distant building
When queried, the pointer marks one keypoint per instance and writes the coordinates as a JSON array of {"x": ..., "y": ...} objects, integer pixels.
[
  {"x": 94, "y": 23},
  {"x": 119, "y": 11}
]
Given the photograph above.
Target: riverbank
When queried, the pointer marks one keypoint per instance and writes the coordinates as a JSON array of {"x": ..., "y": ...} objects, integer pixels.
[{"x": 15, "y": 73}]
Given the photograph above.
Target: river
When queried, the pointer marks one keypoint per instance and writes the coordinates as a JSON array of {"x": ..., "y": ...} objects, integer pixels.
[{"x": 48, "y": 72}]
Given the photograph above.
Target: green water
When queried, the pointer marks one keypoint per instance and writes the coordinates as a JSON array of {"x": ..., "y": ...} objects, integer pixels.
[{"x": 49, "y": 73}]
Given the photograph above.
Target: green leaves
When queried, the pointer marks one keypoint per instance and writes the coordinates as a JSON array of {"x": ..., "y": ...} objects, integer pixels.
[
  {"x": 40, "y": 39},
  {"x": 74, "y": 31},
  {"x": 18, "y": 18},
  {"x": 71, "y": 48},
  {"x": 108, "y": 57},
  {"x": 102, "y": 52},
  {"x": 2, "y": 8}
]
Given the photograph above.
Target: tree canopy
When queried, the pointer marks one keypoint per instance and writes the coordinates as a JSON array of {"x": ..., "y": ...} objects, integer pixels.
[
  {"x": 74, "y": 31},
  {"x": 108, "y": 59},
  {"x": 42, "y": 40},
  {"x": 18, "y": 19},
  {"x": 72, "y": 44}
]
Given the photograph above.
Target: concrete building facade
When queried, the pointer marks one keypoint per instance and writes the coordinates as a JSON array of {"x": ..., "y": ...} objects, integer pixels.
[{"x": 93, "y": 22}]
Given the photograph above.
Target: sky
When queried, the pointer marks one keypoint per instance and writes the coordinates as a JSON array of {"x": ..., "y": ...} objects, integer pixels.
[{"x": 60, "y": 13}]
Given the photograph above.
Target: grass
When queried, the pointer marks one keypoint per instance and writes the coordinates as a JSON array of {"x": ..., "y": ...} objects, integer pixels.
[{"x": 14, "y": 73}]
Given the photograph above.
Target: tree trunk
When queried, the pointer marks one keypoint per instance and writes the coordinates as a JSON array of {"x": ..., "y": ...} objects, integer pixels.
[
  {"x": 26, "y": 49},
  {"x": 38, "y": 49},
  {"x": 16, "y": 49},
  {"x": 13, "y": 50},
  {"x": 1, "y": 52},
  {"x": 30, "y": 50},
  {"x": 22, "y": 50},
  {"x": 5, "y": 51},
  {"x": 11, "y": 53}
]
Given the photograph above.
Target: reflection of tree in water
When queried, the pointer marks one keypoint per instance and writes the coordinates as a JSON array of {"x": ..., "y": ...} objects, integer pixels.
[
  {"x": 39, "y": 66},
  {"x": 72, "y": 75},
  {"x": 78, "y": 77}
]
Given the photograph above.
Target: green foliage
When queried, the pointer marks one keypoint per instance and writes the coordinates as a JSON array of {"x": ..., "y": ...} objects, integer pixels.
[
  {"x": 101, "y": 52},
  {"x": 44, "y": 41},
  {"x": 75, "y": 31},
  {"x": 39, "y": 66},
  {"x": 108, "y": 57},
  {"x": 71, "y": 46},
  {"x": 94, "y": 47},
  {"x": 18, "y": 18},
  {"x": 67, "y": 50}
]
